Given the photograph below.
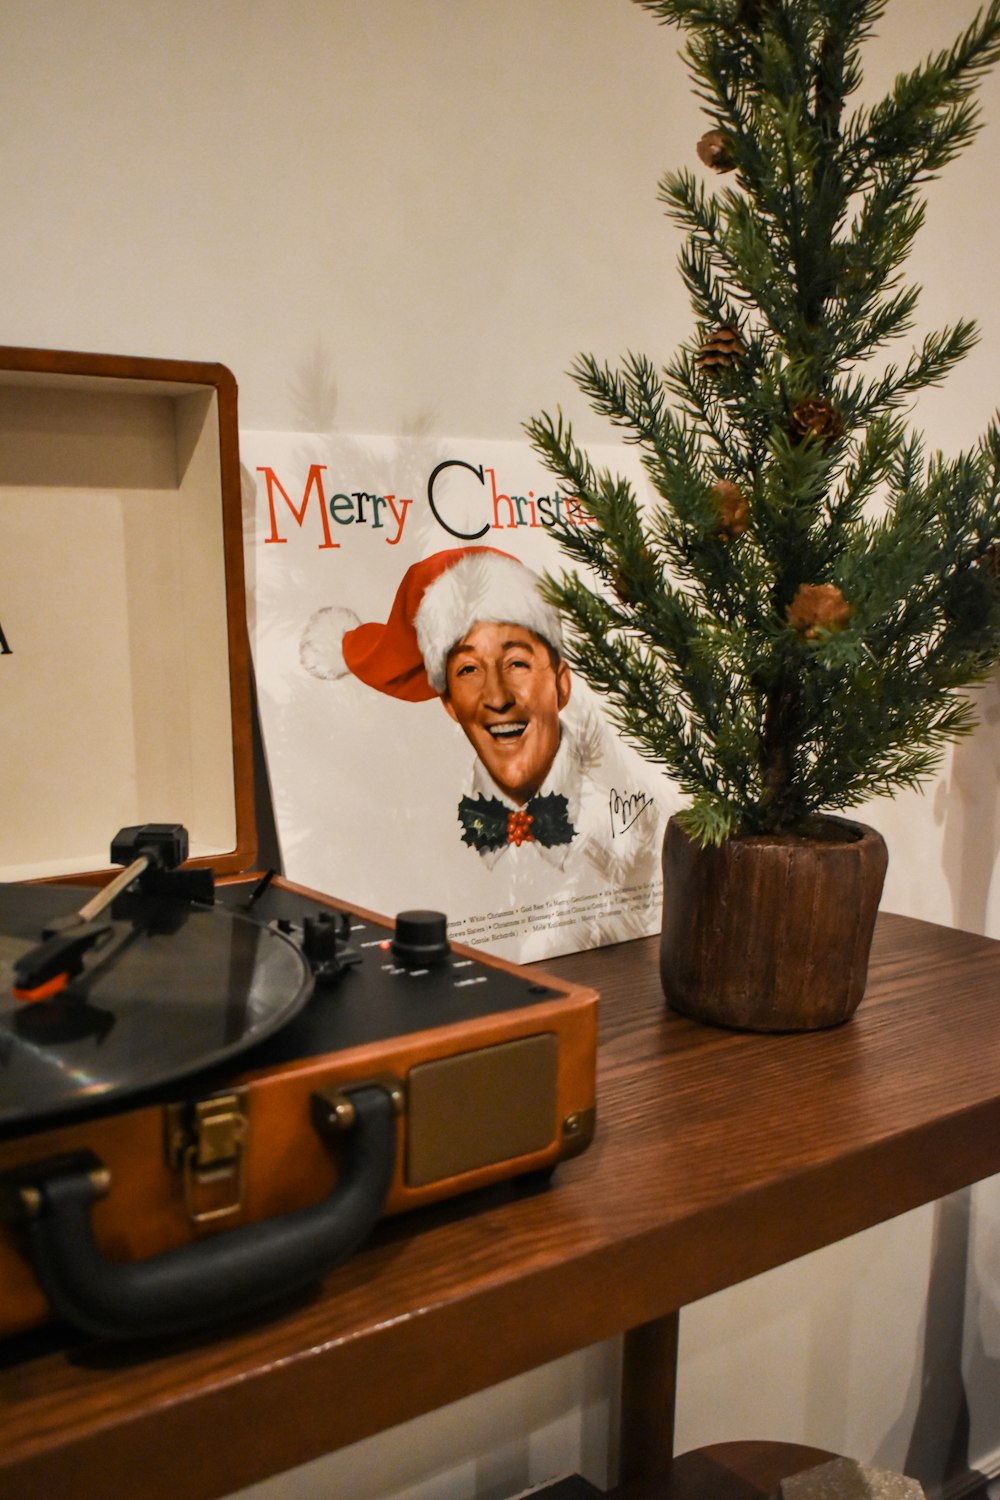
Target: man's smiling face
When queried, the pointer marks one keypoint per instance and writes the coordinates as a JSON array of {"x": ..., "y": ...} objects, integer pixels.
[{"x": 506, "y": 692}]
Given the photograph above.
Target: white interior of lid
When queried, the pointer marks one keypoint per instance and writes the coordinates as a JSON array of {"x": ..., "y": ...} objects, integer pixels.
[{"x": 114, "y": 694}]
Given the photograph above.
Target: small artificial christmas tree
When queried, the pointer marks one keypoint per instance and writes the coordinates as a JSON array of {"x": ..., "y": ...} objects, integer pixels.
[{"x": 787, "y": 628}]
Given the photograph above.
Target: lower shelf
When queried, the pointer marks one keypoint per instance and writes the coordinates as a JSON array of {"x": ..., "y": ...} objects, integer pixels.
[
  {"x": 726, "y": 1471},
  {"x": 571, "y": 1488}
]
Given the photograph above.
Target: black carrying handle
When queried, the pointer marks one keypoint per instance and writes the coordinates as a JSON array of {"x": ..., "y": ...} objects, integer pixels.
[{"x": 217, "y": 1278}]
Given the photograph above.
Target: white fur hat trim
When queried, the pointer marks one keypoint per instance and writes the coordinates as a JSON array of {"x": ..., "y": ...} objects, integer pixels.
[
  {"x": 321, "y": 648},
  {"x": 481, "y": 586}
]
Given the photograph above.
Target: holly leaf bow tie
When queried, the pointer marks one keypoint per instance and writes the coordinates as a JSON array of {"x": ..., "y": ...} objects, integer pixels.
[{"x": 488, "y": 824}]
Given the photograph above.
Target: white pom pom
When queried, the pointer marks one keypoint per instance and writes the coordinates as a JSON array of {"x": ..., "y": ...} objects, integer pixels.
[{"x": 321, "y": 649}]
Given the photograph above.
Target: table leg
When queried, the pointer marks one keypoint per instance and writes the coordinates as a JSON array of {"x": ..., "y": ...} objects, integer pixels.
[{"x": 649, "y": 1388}]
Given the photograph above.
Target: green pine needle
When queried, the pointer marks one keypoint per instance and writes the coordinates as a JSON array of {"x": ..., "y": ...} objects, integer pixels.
[{"x": 809, "y": 649}]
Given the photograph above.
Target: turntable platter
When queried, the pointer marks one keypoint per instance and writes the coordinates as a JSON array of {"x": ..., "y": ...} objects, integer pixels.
[{"x": 176, "y": 990}]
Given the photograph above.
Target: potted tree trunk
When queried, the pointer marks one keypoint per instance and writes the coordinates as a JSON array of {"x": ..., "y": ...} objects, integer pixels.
[{"x": 788, "y": 628}]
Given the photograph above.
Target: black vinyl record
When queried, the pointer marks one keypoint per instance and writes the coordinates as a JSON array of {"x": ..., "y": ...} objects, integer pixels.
[{"x": 172, "y": 990}]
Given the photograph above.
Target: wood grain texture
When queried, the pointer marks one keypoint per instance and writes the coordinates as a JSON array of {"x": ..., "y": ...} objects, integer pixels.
[
  {"x": 770, "y": 932},
  {"x": 648, "y": 1397},
  {"x": 718, "y": 1155}
]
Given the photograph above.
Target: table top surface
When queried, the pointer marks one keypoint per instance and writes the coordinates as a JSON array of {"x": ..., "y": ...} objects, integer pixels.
[{"x": 718, "y": 1155}]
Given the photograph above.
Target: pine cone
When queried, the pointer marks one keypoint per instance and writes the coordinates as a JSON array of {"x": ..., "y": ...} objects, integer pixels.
[
  {"x": 627, "y": 583},
  {"x": 817, "y": 606},
  {"x": 815, "y": 417},
  {"x": 733, "y": 509},
  {"x": 622, "y": 589},
  {"x": 722, "y": 349},
  {"x": 989, "y": 562},
  {"x": 715, "y": 151}
]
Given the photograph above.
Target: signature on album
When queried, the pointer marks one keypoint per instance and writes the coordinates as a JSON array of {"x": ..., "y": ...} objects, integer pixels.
[{"x": 625, "y": 808}]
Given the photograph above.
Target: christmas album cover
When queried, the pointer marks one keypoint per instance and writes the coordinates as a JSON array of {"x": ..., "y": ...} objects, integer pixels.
[{"x": 427, "y": 743}]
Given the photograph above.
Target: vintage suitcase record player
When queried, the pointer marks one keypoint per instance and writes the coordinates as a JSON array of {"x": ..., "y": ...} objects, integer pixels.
[{"x": 213, "y": 1082}]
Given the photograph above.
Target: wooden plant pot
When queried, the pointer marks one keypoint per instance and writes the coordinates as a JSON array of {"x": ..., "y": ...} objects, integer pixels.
[{"x": 770, "y": 932}]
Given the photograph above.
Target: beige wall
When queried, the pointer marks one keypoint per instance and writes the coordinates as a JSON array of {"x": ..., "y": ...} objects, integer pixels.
[{"x": 387, "y": 212}]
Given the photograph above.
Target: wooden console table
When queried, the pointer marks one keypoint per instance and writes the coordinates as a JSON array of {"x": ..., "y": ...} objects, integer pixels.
[{"x": 718, "y": 1155}]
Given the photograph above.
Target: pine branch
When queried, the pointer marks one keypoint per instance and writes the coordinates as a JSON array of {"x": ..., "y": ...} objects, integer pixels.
[
  {"x": 690, "y": 13},
  {"x": 812, "y": 652},
  {"x": 930, "y": 366},
  {"x": 929, "y": 118}
]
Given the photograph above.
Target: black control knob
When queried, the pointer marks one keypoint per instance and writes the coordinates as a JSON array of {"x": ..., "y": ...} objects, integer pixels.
[{"x": 421, "y": 937}]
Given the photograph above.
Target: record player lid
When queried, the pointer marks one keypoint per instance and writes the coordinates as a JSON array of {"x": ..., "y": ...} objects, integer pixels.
[
  {"x": 123, "y": 630},
  {"x": 176, "y": 990}
]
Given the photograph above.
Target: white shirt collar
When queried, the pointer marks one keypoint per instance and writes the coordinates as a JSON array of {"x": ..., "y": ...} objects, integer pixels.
[{"x": 564, "y": 778}]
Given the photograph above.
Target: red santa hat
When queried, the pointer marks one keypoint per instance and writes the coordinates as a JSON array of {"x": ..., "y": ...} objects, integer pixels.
[{"x": 438, "y": 601}]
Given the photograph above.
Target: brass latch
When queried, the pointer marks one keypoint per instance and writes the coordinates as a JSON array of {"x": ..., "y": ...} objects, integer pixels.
[{"x": 206, "y": 1143}]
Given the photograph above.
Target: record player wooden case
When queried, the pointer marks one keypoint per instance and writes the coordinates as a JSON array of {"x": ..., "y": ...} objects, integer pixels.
[{"x": 331, "y": 1065}]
